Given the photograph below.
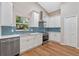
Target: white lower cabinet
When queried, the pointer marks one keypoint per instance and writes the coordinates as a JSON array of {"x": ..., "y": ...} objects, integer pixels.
[
  {"x": 24, "y": 45},
  {"x": 55, "y": 36},
  {"x": 38, "y": 40},
  {"x": 28, "y": 42}
]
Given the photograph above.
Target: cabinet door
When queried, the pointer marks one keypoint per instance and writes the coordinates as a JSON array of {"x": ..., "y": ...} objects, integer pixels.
[
  {"x": 13, "y": 47},
  {"x": 54, "y": 21},
  {"x": 47, "y": 20},
  {"x": 6, "y": 13},
  {"x": 4, "y": 49},
  {"x": 38, "y": 40},
  {"x": 16, "y": 45},
  {"x": 34, "y": 19},
  {"x": 57, "y": 37},
  {"x": 10, "y": 47},
  {"x": 28, "y": 44},
  {"x": 24, "y": 43},
  {"x": 31, "y": 43},
  {"x": 51, "y": 36}
]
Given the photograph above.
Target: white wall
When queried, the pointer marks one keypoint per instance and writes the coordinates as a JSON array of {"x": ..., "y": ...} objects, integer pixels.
[
  {"x": 68, "y": 9},
  {"x": 25, "y": 8}
]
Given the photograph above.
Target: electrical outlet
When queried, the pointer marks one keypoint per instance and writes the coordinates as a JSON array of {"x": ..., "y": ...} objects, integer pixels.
[{"x": 12, "y": 30}]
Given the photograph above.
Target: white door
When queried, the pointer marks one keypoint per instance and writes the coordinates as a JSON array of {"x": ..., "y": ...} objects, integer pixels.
[{"x": 70, "y": 31}]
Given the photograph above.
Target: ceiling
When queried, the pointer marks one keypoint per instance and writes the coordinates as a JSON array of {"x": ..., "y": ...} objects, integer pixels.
[{"x": 50, "y": 6}]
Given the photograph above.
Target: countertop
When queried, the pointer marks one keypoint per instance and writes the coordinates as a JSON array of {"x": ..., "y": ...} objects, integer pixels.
[
  {"x": 19, "y": 35},
  {"x": 9, "y": 36},
  {"x": 30, "y": 34}
]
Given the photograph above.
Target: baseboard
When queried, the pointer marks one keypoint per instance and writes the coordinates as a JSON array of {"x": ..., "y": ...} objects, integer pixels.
[
  {"x": 61, "y": 43},
  {"x": 57, "y": 42},
  {"x": 77, "y": 47}
]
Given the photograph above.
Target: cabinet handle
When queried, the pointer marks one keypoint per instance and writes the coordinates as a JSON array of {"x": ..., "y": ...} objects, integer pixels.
[
  {"x": 3, "y": 41},
  {"x": 11, "y": 39},
  {"x": 27, "y": 40}
]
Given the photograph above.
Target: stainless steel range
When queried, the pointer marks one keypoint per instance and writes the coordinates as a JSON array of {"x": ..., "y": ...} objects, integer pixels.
[{"x": 45, "y": 36}]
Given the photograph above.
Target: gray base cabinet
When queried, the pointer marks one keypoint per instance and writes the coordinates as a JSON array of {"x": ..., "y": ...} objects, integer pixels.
[{"x": 10, "y": 46}]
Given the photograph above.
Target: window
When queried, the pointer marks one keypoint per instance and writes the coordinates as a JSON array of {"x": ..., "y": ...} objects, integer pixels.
[{"x": 22, "y": 23}]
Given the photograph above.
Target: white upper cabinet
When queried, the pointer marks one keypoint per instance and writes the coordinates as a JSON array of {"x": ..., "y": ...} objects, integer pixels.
[
  {"x": 46, "y": 19},
  {"x": 34, "y": 21},
  {"x": 53, "y": 21},
  {"x": 6, "y": 13},
  {"x": 0, "y": 14}
]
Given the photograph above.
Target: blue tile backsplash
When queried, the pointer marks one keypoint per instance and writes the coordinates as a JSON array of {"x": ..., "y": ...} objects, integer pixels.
[{"x": 9, "y": 30}]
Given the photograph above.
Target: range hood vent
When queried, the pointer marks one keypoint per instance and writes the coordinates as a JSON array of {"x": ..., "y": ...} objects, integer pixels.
[
  {"x": 41, "y": 22},
  {"x": 41, "y": 17}
]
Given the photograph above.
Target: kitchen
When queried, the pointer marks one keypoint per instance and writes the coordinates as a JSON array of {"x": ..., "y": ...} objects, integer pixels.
[{"x": 28, "y": 25}]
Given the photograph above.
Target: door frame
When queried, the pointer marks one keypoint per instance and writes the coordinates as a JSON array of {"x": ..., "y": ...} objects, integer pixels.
[{"x": 64, "y": 31}]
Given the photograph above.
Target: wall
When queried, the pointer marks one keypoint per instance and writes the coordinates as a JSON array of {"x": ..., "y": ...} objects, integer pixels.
[
  {"x": 25, "y": 9},
  {"x": 0, "y": 14},
  {"x": 20, "y": 9},
  {"x": 0, "y": 30},
  {"x": 57, "y": 12},
  {"x": 68, "y": 9}
]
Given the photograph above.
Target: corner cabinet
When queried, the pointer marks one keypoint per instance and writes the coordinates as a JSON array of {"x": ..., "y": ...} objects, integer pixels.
[
  {"x": 10, "y": 46},
  {"x": 6, "y": 10}
]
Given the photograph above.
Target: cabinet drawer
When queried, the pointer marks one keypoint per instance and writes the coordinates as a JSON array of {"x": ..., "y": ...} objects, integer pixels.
[
  {"x": 4, "y": 50},
  {"x": 9, "y": 46}
]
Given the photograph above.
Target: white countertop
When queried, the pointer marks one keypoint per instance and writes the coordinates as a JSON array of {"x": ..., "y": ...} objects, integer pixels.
[
  {"x": 8, "y": 36},
  {"x": 29, "y": 34},
  {"x": 16, "y": 35}
]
